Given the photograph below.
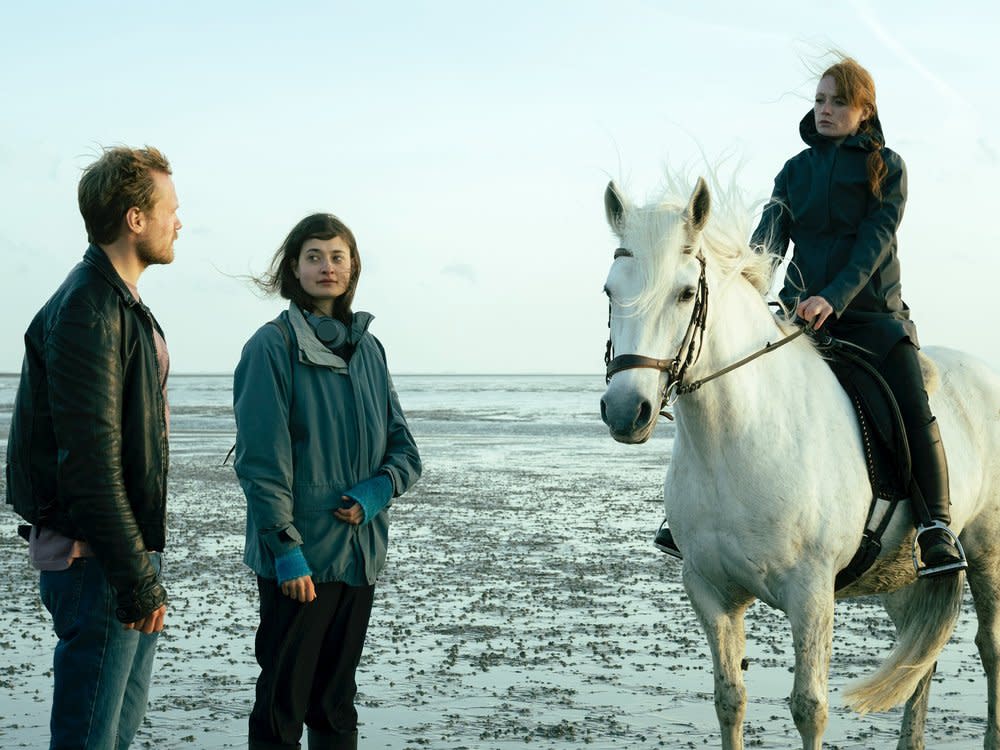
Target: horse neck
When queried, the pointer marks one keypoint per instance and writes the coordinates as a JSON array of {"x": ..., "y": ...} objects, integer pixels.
[{"x": 747, "y": 401}]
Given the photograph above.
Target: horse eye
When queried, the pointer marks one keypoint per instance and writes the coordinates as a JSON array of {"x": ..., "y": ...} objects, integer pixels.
[{"x": 688, "y": 294}]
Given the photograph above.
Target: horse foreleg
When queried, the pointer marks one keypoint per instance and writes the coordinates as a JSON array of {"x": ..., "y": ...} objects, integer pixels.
[
  {"x": 812, "y": 636},
  {"x": 722, "y": 619}
]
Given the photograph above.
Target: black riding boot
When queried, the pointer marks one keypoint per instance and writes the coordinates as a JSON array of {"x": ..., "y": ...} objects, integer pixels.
[{"x": 938, "y": 551}]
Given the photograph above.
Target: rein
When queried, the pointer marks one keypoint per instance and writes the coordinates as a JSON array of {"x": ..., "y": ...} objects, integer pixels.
[{"x": 687, "y": 353}]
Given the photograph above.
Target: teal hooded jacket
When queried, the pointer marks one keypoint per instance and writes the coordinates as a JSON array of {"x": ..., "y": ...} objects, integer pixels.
[{"x": 311, "y": 426}]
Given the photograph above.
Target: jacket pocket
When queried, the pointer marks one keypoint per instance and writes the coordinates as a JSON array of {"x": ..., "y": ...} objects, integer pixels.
[{"x": 315, "y": 498}]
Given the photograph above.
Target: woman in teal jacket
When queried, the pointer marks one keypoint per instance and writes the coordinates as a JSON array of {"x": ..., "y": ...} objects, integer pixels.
[{"x": 322, "y": 447}]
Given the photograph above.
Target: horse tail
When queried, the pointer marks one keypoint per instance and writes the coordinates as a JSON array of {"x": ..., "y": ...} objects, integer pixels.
[{"x": 923, "y": 630}]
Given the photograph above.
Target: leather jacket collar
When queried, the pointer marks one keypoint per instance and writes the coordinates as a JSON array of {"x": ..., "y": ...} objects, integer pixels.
[{"x": 98, "y": 259}]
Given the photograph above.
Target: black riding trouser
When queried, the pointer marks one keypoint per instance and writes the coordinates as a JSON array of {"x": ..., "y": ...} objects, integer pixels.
[{"x": 901, "y": 370}]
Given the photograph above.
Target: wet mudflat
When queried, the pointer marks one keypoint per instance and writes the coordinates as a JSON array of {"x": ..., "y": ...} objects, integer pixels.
[{"x": 523, "y": 606}]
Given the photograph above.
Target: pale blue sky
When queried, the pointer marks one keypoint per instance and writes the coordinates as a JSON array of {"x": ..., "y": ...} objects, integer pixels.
[{"x": 468, "y": 145}]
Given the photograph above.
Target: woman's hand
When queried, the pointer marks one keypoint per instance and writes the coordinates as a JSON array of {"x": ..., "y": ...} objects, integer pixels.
[
  {"x": 814, "y": 310},
  {"x": 300, "y": 589},
  {"x": 353, "y": 514}
]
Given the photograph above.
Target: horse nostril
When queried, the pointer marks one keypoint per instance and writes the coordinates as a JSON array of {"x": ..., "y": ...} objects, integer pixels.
[
  {"x": 645, "y": 413},
  {"x": 604, "y": 411}
]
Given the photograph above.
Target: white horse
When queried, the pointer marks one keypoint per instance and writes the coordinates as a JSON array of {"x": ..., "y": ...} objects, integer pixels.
[{"x": 767, "y": 491}]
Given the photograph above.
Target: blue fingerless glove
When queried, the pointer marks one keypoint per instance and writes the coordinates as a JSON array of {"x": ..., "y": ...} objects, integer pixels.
[
  {"x": 373, "y": 495},
  {"x": 291, "y": 566}
]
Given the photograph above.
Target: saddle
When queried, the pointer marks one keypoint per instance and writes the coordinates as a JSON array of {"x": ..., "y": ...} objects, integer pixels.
[{"x": 887, "y": 452}]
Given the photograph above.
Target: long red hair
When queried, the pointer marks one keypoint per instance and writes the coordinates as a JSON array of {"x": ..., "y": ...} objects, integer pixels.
[{"x": 857, "y": 86}]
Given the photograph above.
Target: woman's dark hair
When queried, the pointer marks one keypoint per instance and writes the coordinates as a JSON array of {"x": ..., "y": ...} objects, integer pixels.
[
  {"x": 857, "y": 86},
  {"x": 280, "y": 278}
]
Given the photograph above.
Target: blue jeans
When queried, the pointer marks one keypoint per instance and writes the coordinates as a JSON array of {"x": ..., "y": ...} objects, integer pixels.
[{"x": 101, "y": 670}]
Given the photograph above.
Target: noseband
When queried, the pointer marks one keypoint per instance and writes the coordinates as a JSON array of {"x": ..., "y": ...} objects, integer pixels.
[{"x": 687, "y": 353}]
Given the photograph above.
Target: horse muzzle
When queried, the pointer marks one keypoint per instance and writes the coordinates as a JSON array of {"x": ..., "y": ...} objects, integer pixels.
[{"x": 629, "y": 419}]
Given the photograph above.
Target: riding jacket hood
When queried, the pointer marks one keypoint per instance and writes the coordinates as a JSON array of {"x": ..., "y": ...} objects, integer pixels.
[
  {"x": 844, "y": 236},
  {"x": 311, "y": 426},
  {"x": 87, "y": 453}
]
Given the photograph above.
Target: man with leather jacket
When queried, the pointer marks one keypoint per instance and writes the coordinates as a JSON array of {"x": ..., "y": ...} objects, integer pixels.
[{"x": 87, "y": 454}]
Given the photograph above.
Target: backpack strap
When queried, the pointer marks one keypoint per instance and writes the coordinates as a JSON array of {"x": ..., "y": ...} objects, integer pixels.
[
  {"x": 286, "y": 332},
  {"x": 281, "y": 323}
]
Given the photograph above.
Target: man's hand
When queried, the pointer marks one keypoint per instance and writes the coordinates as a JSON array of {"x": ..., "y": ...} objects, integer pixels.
[
  {"x": 300, "y": 589},
  {"x": 151, "y": 623}
]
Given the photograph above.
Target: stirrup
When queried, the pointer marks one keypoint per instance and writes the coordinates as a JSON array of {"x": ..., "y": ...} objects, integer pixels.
[
  {"x": 924, "y": 571},
  {"x": 672, "y": 551}
]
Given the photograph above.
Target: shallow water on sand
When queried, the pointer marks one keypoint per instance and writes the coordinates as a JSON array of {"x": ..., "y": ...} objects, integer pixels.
[{"x": 522, "y": 604}]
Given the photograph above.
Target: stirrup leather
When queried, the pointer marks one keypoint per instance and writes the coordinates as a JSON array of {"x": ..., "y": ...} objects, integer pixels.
[{"x": 923, "y": 570}]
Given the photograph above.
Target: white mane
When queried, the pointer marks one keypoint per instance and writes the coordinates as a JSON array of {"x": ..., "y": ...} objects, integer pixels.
[{"x": 725, "y": 238}]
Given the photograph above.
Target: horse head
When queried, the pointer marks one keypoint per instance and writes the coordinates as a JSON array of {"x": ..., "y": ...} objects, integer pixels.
[{"x": 657, "y": 293}]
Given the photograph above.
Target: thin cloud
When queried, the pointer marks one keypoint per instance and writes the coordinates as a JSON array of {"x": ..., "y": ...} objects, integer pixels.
[
  {"x": 867, "y": 16},
  {"x": 462, "y": 271},
  {"x": 962, "y": 119},
  {"x": 988, "y": 151}
]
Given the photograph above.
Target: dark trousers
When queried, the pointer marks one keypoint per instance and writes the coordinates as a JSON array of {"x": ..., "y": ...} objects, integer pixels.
[
  {"x": 901, "y": 370},
  {"x": 308, "y": 655}
]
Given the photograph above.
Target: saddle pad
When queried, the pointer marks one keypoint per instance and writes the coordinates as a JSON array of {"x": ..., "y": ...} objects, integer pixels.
[
  {"x": 887, "y": 454},
  {"x": 886, "y": 450}
]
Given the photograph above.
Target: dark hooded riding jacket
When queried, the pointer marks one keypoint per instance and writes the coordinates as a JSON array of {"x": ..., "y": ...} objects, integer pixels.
[
  {"x": 844, "y": 237},
  {"x": 87, "y": 451}
]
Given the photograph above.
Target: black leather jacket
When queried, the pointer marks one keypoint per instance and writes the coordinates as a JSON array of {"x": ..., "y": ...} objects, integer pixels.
[{"x": 87, "y": 451}]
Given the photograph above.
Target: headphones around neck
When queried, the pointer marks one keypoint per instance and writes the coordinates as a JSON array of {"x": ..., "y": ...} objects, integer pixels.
[{"x": 330, "y": 331}]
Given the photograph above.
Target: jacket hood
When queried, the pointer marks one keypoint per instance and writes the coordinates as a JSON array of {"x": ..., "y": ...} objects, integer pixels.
[
  {"x": 868, "y": 139},
  {"x": 314, "y": 350}
]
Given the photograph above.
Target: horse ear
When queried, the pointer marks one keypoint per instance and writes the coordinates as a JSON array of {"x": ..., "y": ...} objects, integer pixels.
[
  {"x": 614, "y": 206},
  {"x": 696, "y": 214}
]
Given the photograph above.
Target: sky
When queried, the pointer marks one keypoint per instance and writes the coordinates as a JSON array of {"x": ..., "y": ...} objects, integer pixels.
[{"x": 468, "y": 145}]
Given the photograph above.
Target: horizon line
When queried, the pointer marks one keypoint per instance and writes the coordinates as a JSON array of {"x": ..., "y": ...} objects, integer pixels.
[{"x": 396, "y": 374}]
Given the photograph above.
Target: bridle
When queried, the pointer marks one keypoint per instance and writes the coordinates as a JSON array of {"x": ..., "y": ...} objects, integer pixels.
[{"x": 687, "y": 353}]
